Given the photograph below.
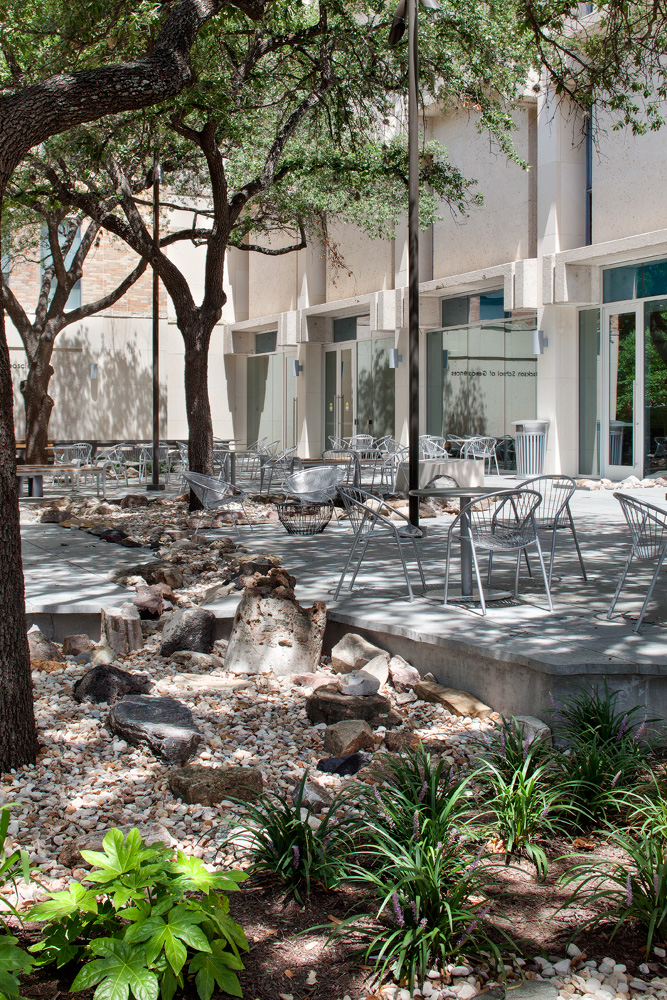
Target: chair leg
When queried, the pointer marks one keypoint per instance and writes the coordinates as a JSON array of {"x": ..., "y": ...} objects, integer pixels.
[
  {"x": 405, "y": 570},
  {"x": 245, "y": 514},
  {"x": 479, "y": 580},
  {"x": 576, "y": 542},
  {"x": 516, "y": 574},
  {"x": 346, "y": 567},
  {"x": 650, "y": 589},
  {"x": 620, "y": 584},
  {"x": 419, "y": 564},
  {"x": 553, "y": 552},
  {"x": 358, "y": 567},
  {"x": 449, "y": 549},
  {"x": 544, "y": 572},
  {"x": 488, "y": 578}
]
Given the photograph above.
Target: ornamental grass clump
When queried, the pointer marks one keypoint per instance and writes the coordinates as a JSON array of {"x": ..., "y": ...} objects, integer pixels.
[
  {"x": 508, "y": 748},
  {"x": 297, "y": 850}
]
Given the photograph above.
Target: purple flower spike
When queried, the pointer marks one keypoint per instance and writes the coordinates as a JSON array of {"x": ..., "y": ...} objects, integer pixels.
[
  {"x": 423, "y": 923},
  {"x": 628, "y": 891},
  {"x": 415, "y": 824},
  {"x": 413, "y": 907},
  {"x": 640, "y": 732},
  {"x": 422, "y": 792},
  {"x": 398, "y": 914},
  {"x": 623, "y": 727},
  {"x": 615, "y": 778},
  {"x": 656, "y": 883},
  {"x": 296, "y": 853}
]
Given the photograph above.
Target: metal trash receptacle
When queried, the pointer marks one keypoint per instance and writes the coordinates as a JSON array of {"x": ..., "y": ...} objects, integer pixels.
[{"x": 531, "y": 446}]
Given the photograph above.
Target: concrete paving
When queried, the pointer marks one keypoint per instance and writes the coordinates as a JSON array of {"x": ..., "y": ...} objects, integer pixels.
[{"x": 516, "y": 657}]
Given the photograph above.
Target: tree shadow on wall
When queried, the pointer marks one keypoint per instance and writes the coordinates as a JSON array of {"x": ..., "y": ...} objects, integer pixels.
[{"x": 464, "y": 406}]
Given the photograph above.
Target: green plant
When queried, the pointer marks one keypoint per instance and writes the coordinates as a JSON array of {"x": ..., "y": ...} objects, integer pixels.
[
  {"x": 417, "y": 792},
  {"x": 509, "y": 749},
  {"x": 300, "y": 851},
  {"x": 633, "y": 889},
  {"x": 524, "y": 807},
  {"x": 432, "y": 905},
  {"x": 593, "y": 714},
  {"x": 602, "y": 777},
  {"x": 12, "y": 961},
  {"x": 148, "y": 921},
  {"x": 13, "y": 865}
]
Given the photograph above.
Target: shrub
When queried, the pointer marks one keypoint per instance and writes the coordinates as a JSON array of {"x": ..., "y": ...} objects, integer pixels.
[
  {"x": 148, "y": 921},
  {"x": 299, "y": 851},
  {"x": 432, "y": 906}
]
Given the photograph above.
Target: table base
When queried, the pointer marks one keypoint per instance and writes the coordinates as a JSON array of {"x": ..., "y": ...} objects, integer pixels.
[{"x": 454, "y": 596}]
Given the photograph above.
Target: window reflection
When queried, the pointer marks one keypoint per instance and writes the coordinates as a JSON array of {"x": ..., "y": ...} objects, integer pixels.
[{"x": 655, "y": 387}]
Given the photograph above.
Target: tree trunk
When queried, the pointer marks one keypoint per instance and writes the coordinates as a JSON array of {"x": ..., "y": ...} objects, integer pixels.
[
  {"x": 18, "y": 736},
  {"x": 197, "y": 403},
  {"x": 38, "y": 405}
]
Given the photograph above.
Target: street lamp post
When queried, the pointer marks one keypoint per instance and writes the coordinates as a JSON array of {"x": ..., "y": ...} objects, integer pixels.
[
  {"x": 407, "y": 10},
  {"x": 155, "y": 464}
]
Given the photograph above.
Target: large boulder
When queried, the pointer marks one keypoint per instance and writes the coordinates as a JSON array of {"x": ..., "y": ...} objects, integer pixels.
[
  {"x": 74, "y": 645},
  {"x": 105, "y": 683},
  {"x": 457, "y": 702},
  {"x": 328, "y": 705},
  {"x": 352, "y": 653},
  {"x": 120, "y": 628},
  {"x": 403, "y": 675},
  {"x": 42, "y": 648},
  {"x": 188, "y": 628},
  {"x": 150, "y": 601},
  {"x": 164, "y": 724},
  {"x": 533, "y": 728},
  {"x": 347, "y": 737},
  {"x": 210, "y": 785},
  {"x": 272, "y": 631},
  {"x": 156, "y": 571}
]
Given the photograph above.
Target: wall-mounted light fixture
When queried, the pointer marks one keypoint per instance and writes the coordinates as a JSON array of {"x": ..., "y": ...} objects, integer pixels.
[
  {"x": 93, "y": 372},
  {"x": 394, "y": 357},
  {"x": 296, "y": 368},
  {"x": 445, "y": 359},
  {"x": 539, "y": 342}
]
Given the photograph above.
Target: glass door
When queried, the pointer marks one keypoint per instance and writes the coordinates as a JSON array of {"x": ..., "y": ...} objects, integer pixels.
[
  {"x": 339, "y": 402},
  {"x": 655, "y": 388},
  {"x": 622, "y": 453}
]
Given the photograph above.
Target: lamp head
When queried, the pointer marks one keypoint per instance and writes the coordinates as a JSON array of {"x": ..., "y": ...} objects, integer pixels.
[{"x": 397, "y": 29}]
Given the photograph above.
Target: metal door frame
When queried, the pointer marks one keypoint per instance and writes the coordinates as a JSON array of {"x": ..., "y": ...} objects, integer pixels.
[
  {"x": 607, "y": 470},
  {"x": 344, "y": 345}
]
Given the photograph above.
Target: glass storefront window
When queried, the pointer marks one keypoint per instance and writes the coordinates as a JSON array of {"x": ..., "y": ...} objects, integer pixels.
[
  {"x": 266, "y": 343},
  {"x": 375, "y": 388},
  {"x": 655, "y": 387},
  {"x": 634, "y": 281},
  {"x": 590, "y": 374}
]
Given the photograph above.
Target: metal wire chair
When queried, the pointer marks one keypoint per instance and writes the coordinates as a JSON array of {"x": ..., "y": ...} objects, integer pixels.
[
  {"x": 498, "y": 522},
  {"x": 318, "y": 485},
  {"x": 554, "y": 512},
  {"x": 345, "y": 460},
  {"x": 361, "y": 442},
  {"x": 481, "y": 447},
  {"x": 391, "y": 463},
  {"x": 648, "y": 530},
  {"x": 278, "y": 466},
  {"x": 456, "y": 443},
  {"x": 214, "y": 494},
  {"x": 368, "y": 521}
]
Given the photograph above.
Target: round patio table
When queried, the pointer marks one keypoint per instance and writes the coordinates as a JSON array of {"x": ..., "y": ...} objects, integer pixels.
[{"x": 466, "y": 494}]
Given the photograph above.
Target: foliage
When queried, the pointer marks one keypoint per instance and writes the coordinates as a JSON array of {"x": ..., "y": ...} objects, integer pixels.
[
  {"x": 632, "y": 889},
  {"x": 508, "y": 749},
  {"x": 417, "y": 792},
  {"x": 147, "y": 921},
  {"x": 12, "y": 961},
  {"x": 13, "y": 865},
  {"x": 432, "y": 904},
  {"x": 593, "y": 714},
  {"x": 525, "y": 806},
  {"x": 300, "y": 852}
]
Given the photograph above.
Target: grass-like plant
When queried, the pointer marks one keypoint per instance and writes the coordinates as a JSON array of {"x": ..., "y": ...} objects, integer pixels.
[
  {"x": 431, "y": 905},
  {"x": 509, "y": 749},
  {"x": 634, "y": 889},
  {"x": 147, "y": 922},
  {"x": 418, "y": 792},
  {"x": 14, "y": 866},
  {"x": 296, "y": 849},
  {"x": 602, "y": 777},
  {"x": 593, "y": 713}
]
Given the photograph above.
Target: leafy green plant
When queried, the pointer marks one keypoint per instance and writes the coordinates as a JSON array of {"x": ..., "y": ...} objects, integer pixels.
[
  {"x": 12, "y": 961},
  {"x": 508, "y": 749},
  {"x": 417, "y": 793},
  {"x": 593, "y": 714},
  {"x": 297, "y": 849},
  {"x": 632, "y": 889},
  {"x": 525, "y": 807},
  {"x": 603, "y": 778},
  {"x": 146, "y": 923},
  {"x": 13, "y": 865},
  {"x": 432, "y": 905}
]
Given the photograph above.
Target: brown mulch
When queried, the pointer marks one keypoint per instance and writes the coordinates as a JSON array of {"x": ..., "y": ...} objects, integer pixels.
[{"x": 282, "y": 959}]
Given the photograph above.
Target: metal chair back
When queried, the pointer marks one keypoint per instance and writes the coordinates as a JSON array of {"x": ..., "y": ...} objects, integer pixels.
[
  {"x": 213, "y": 494},
  {"x": 317, "y": 485},
  {"x": 648, "y": 531}
]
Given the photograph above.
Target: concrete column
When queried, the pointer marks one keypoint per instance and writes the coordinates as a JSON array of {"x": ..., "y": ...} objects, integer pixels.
[
  {"x": 238, "y": 290},
  {"x": 561, "y": 178},
  {"x": 557, "y": 388},
  {"x": 310, "y": 396},
  {"x": 311, "y": 276}
]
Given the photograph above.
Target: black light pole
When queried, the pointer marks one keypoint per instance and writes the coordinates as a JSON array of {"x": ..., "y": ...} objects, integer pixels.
[
  {"x": 155, "y": 464},
  {"x": 398, "y": 26}
]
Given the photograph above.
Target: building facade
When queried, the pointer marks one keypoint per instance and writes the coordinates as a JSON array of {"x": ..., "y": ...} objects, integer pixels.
[{"x": 548, "y": 301}]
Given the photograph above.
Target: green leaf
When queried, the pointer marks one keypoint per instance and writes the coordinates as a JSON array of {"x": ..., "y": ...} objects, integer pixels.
[
  {"x": 121, "y": 971},
  {"x": 75, "y": 899},
  {"x": 215, "y": 968}
]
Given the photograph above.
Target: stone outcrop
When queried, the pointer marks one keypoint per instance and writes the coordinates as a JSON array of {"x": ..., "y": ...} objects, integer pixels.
[
  {"x": 403, "y": 675},
  {"x": 42, "y": 648},
  {"x": 164, "y": 724},
  {"x": 347, "y": 737},
  {"x": 70, "y": 856},
  {"x": 74, "y": 645},
  {"x": 272, "y": 631},
  {"x": 105, "y": 683},
  {"x": 352, "y": 653},
  {"x": 328, "y": 705},
  {"x": 188, "y": 629},
  {"x": 456, "y": 702}
]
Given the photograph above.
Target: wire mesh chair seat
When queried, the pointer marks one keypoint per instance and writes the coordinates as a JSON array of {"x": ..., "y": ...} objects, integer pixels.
[
  {"x": 481, "y": 447},
  {"x": 343, "y": 459},
  {"x": 361, "y": 442},
  {"x": 277, "y": 466},
  {"x": 318, "y": 485},
  {"x": 554, "y": 512},
  {"x": 498, "y": 522},
  {"x": 214, "y": 494},
  {"x": 430, "y": 448},
  {"x": 369, "y": 523},
  {"x": 648, "y": 531}
]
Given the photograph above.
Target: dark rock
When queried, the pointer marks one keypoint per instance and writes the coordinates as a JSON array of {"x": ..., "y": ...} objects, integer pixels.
[
  {"x": 70, "y": 855},
  {"x": 131, "y": 543},
  {"x": 344, "y": 765},
  {"x": 150, "y": 601},
  {"x": 98, "y": 530},
  {"x": 210, "y": 785},
  {"x": 134, "y": 500},
  {"x": 52, "y": 515},
  {"x": 74, "y": 645},
  {"x": 189, "y": 628},
  {"x": 107, "y": 683},
  {"x": 156, "y": 571},
  {"x": 42, "y": 648},
  {"x": 164, "y": 724},
  {"x": 114, "y": 536},
  {"x": 328, "y": 705}
]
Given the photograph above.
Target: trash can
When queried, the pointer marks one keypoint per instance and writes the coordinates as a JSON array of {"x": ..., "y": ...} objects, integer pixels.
[{"x": 531, "y": 446}]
